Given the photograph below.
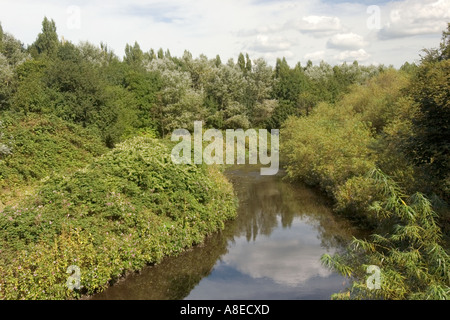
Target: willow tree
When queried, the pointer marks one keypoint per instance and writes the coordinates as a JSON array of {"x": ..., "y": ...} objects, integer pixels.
[{"x": 407, "y": 250}]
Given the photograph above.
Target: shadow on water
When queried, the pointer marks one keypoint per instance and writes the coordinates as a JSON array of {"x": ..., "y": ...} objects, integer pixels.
[{"x": 271, "y": 250}]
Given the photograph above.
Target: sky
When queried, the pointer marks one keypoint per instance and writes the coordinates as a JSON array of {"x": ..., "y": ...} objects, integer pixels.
[{"x": 371, "y": 32}]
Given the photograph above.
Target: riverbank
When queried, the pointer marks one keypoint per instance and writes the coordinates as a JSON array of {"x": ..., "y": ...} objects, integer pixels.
[
  {"x": 270, "y": 251},
  {"x": 130, "y": 207}
]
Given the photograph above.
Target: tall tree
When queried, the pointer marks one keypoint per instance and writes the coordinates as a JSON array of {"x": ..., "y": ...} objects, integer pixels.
[
  {"x": 431, "y": 90},
  {"x": 241, "y": 62},
  {"x": 445, "y": 44},
  {"x": 217, "y": 61},
  {"x": 47, "y": 41},
  {"x": 151, "y": 55},
  {"x": 1, "y": 37},
  {"x": 248, "y": 63},
  {"x": 431, "y": 143},
  {"x": 134, "y": 56},
  {"x": 160, "y": 53}
]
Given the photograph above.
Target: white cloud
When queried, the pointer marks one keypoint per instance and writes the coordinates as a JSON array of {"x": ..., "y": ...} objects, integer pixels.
[
  {"x": 350, "y": 56},
  {"x": 416, "y": 17},
  {"x": 316, "y": 56},
  {"x": 319, "y": 25},
  {"x": 268, "y": 29},
  {"x": 346, "y": 41},
  {"x": 264, "y": 43},
  {"x": 286, "y": 261}
]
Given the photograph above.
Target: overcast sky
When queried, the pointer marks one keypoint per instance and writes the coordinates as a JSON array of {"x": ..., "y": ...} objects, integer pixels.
[{"x": 379, "y": 32}]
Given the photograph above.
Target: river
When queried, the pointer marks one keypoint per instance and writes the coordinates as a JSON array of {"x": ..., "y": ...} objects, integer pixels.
[{"x": 270, "y": 251}]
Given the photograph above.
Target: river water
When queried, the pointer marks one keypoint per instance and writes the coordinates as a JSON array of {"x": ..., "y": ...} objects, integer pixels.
[{"x": 270, "y": 251}]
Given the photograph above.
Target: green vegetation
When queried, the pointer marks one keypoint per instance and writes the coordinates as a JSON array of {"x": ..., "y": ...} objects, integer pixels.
[
  {"x": 130, "y": 207},
  {"x": 38, "y": 146},
  {"x": 86, "y": 134},
  {"x": 370, "y": 149},
  {"x": 407, "y": 250}
]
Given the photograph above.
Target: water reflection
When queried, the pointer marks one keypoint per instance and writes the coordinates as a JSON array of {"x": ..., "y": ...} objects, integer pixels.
[{"x": 271, "y": 251}]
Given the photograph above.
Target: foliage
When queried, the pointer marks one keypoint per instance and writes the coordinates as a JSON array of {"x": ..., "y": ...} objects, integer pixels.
[
  {"x": 5, "y": 143},
  {"x": 396, "y": 121},
  {"x": 47, "y": 41},
  {"x": 430, "y": 143},
  {"x": 12, "y": 55},
  {"x": 84, "y": 84},
  {"x": 338, "y": 143},
  {"x": 130, "y": 207},
  {"x": 61, "y": 104},
  {"x": 407, "y": 248},
  {"x": 40, "y": 146},
  {"x": 326, "y": 148}
]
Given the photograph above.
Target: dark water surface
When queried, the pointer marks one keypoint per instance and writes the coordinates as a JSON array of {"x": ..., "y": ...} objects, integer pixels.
[{"x": 271, "y": 251}]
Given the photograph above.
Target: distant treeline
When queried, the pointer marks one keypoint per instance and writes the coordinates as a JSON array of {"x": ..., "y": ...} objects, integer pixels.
[{"x": 154, "y": 91}]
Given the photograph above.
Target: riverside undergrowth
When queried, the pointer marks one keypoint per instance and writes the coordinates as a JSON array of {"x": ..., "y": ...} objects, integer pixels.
[{"x": 130, "y": 207}]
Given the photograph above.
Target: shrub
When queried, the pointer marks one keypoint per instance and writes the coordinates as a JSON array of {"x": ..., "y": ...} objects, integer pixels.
[
  {"x": 407, "y": 248},
  {"x": 130, "y": 207}
]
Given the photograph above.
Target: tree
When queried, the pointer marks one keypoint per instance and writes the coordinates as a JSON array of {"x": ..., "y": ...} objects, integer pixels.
[
  {"x": 248, "y": 63},
  {"x": 258, "y": 87},
  {"x": 441, "y": 53},
  {"x": 167, "y": 54},
  {"x": 409, "y": 68},
  {"x": 97, "y": 55},
  {"x": 1, "y": 37},
  {"x": 263, "y": 110},
  {"x": 217, "y": 61},
  {"x": 289, "y": 82},
  {"x": 134, "y": 56},
  {"x": 32, "y": 94},
  {"x": 151, "y": 55},
  {"x": 5, "y": 143},
  {"x": 12, "y": 55},
  {"x": 445, "y": 44},
  {"x": 145, "y": 87},
  {"x": 6, "y": 77},
  {"x": 160, "y": 53},
  {"x": 430, "y": 145},
  {"x": 178, "y": 105},
  {"x": 241, "y": 62},
  {"x": 47, "y": 41},
  {"x": 13, "y": 50},
  {"x": 407, "y": 250}
]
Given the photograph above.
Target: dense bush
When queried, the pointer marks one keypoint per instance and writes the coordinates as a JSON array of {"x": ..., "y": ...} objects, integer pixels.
[
  {"x": 394, "y": 124},
  {"x": 407, "y": 247},
  {"x": 337, "y": 144},
  {"x": 41, "y": 146},
  {"x": 130, "y": 207},
  {"x": 327, "y": 148}
]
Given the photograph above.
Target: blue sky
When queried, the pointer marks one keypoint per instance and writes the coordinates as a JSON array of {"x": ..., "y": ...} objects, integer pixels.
[{"x": 372, "y": 32}]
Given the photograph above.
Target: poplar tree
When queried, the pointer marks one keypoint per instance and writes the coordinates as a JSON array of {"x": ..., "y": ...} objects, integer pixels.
[
  {"x": 134, "y": 56},
  {"x": 241, "y": 62},
  {"x": 47, "y": 41},
  {"x": 248, "y": 63},
  {"x": 217, "y": 61},
  {"x": 1, "y": 38}
]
